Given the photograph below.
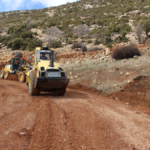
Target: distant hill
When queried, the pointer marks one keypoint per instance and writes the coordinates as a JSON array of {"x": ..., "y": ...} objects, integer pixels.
[{"x": 103, "y": 17}]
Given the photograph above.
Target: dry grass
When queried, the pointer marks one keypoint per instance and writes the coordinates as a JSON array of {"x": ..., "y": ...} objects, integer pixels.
[{"x": 139, "y": 66}]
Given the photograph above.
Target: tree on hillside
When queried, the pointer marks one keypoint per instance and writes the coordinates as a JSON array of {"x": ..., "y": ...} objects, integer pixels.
[
  {"x": 52, "y": 34},
  {"x": 81, "y": 31},
  {"x": 139, "y": 30},
  {"x": 147, "y": 28},
  {"x": 28, "y": 20}
]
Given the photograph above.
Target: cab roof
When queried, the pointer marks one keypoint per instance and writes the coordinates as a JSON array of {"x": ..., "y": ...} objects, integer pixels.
[{"x": 43, "y": 48}]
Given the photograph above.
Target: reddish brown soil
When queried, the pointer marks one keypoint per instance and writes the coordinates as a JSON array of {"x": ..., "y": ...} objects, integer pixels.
[
  {"x": 78, "y": 120},
  {"x": 76, "y": 55},
  {"x": 1, "y": 67},
  {"x": 136, "y": 93},
  {"x": 13, "y": 77}
]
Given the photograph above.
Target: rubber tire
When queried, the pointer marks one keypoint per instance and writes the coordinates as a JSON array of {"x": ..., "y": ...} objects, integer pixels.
[
  {"x": 2, "y": 76},
  {"x": 6, "y": 77},
  {"x": 32, "y": 90},
  {"x": 23, "y": 77},
  {"x": 60, "y": 92}
]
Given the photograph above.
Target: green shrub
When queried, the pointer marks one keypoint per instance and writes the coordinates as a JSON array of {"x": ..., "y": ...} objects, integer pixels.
[
  {"x": 26, "y": 34},
  {"x": 33, "y": 44},
  {"x": 118, "y": 39},
  {"x": 69, "y": 42},
  {"x": 5, "y": 39},
  {"x": 147, "y": 27},
  {"x": 89, "y": 41},
  {"x": 125, "y": 40},
  {"x": 16, "y": 43},
  {"x": 56, "y": 44},
  {"x": 107, "y": 41},
  {"x": 109, "y": 45},
  {"x": 113, "y": 28},
  {"x": 123, "y": 34},
  {"x": 16, "y": 29},
  {"x": 88, "y": 37},
  {"x": 43, "y": 31},
  {"x": 33, "y": 25},
  {"x": 9, "y": 44},
  {"x": 23, "y": 48},
  {"x": 97, "y": 42}
]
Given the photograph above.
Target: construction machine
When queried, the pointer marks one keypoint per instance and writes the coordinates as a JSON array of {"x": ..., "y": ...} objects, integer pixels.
[
  {"x": 17, "y": 67},
  {"x": 46, "y": 74}
]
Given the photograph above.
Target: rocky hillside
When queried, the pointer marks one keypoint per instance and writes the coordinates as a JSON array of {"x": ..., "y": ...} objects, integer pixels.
[{"x": 108, "y": 21}]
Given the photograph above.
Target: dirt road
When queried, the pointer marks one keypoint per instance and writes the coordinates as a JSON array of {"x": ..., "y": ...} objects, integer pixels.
[{"x": 79, "y": 120}]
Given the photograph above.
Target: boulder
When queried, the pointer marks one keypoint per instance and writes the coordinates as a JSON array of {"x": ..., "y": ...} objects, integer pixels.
[{"x": 135, "y": 12}]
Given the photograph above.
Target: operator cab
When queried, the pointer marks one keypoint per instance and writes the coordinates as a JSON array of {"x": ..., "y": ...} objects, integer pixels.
[
  {"x": 16, "y": 63},
  {"x": 44, "y": 55}
]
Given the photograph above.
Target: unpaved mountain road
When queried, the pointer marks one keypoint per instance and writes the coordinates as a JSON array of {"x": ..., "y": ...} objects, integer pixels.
[{"x": 79, "y": 120}]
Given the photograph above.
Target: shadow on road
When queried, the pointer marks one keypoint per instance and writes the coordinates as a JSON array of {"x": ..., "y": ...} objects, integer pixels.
[{"x": 73, "y": 94}]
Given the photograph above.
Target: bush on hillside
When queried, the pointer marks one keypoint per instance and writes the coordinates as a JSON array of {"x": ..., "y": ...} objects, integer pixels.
[
  {"x": 76, "y": 45},
  {"x": 33, "y": 25},
  {"x": 56, "y": 44},
  {"x": 16, "y": 29},
  {"x": 83, "y": 48},
  {"x": 33, "y": 44},
  {"x": 5, "y": 39},
  {"x": 125, "y": 52},
  {"x": 95, "y": 49},
  {"x": 26, "y": 34},
  {"x": 147, "y": 28},
  {"x": 69, "y": 42},
  {"x": 16, "y": 43},
  {"x": 89, "y": 41},
  {"x": 97, "y": 42}
]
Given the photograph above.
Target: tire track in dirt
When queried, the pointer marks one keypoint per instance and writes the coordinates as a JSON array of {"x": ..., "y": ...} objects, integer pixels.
[{"x": 53, "y": 129}]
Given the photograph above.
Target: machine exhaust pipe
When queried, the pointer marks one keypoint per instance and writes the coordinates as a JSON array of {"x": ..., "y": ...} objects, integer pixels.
[{"x": 52, "y": 60}]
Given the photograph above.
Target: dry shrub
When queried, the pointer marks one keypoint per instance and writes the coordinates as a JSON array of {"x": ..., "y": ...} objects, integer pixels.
[
  {"x": 125, "y": 52},
  {"x": 95, "y": 49},
  {"x": 83, "y": 48},
  {"x": 76, "y": 45}
]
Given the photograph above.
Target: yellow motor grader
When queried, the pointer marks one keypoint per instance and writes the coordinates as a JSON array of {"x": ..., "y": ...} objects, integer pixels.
[
  {"x": 17, "y": 67},
  {"x": 46, "y": 74}
]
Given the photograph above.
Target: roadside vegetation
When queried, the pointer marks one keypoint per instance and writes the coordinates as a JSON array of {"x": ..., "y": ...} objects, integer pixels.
[{"x": 20, "y": 38}]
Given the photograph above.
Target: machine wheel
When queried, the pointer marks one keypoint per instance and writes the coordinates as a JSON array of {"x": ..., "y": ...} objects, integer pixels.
[
  {"x": 60, "y": 92},
  {"x": 22, "y": 77},
  {"x": 6, "y": 75},
  {"x": 2, "y": 74},
  {"x": 31, "y": 85}
]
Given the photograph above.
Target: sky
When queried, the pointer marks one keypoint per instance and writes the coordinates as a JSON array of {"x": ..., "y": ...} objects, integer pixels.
[{"x": 11, "y": 5}]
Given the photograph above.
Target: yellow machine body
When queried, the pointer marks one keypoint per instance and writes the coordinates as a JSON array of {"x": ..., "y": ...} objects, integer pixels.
[{"x": 48, "y": 75}]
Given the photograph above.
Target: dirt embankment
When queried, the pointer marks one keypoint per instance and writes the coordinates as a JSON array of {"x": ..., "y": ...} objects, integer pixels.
[
  {"x": 79, "y": 55},
  {"x": 136, "y": 92},
  {"x": 1, "y": 66}
]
